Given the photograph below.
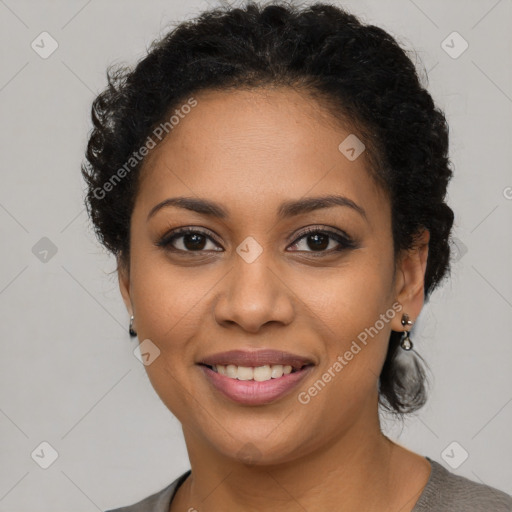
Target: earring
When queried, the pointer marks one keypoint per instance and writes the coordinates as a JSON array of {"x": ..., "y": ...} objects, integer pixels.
[
  {"x": 130, "y": 329},
  {"x": 406, "y": 342}
]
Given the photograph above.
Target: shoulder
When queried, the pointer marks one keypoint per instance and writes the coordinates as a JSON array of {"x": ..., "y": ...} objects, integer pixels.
[
  {"x": 157, "y": 502},
  {"x": 446, "y": 491}
]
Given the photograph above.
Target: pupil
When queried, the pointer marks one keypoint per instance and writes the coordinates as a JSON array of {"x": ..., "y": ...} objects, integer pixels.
[
  {"x": 320, "y": 241},
  {"x": 197, "y": 243}
]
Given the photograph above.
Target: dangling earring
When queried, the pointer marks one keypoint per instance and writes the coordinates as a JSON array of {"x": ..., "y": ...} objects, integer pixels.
[
  {"x": 406, "y": 342},
  {"x": 130, "y": 330}
]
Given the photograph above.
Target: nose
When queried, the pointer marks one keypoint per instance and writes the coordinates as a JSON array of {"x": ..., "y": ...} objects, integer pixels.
[{"x": 253, "y": 295}]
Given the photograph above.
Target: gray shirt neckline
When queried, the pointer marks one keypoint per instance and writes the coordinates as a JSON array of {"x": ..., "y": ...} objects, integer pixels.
[{"x": 444, "y": 492}]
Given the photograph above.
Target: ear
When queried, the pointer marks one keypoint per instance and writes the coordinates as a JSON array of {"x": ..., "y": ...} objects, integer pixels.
[
  {"x": 410, "y": 279},
  {"x": 123, "y": 275}
]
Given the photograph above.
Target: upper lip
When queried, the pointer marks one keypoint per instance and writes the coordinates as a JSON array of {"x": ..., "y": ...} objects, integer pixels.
[{"x": 256, "y": 358}]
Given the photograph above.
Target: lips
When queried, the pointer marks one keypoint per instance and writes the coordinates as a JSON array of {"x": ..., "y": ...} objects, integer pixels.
[
  {"x": 256, "y": 358},
  {"x": 254, "y": 390},
  {"x": 254, "y": 393}
]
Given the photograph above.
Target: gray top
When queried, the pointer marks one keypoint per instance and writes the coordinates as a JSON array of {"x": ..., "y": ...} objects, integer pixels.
[{"x": 444, "y": 492}]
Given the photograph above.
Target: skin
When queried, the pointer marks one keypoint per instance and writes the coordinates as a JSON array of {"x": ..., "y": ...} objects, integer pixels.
[{"x": 250, "y": 151}]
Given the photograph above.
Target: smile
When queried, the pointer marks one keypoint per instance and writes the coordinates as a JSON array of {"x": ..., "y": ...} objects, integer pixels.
[
  {"x": 258, "y": 373},
  {"x": 255, "y": 377}
]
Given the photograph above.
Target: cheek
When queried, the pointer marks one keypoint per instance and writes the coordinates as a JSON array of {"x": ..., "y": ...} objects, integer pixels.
[
  {"x": 355, "y": 348},
  {"x": 169, "y": 299},
  {"x": 349, "y": 298},
  {"x": 353, "y": 313},
  {"x": 169, "y": 310}
]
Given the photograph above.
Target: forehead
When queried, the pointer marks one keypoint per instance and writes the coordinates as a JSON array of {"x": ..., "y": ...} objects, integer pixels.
[{"x": 256, "y": 148}]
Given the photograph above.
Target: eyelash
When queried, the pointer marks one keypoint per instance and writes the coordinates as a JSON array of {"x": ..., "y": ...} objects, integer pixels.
[{"x": 344, "y": 241}]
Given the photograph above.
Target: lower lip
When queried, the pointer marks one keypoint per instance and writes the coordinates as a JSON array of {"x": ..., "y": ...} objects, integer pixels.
[{"x": 251, "y": 392}]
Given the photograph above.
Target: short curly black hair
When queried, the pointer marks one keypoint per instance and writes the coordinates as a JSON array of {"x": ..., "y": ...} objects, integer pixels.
[{"x": 358, "y": 71}]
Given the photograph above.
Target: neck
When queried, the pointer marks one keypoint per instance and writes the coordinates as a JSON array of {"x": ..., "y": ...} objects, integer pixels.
[{"x": 356, "y": 471}]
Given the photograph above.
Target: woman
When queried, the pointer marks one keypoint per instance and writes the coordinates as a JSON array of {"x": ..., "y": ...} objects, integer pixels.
[{"x": 272, "y": 183}]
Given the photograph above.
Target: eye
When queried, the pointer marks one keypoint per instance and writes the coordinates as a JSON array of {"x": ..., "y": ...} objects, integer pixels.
[
  {"x": 187, "y": 240},
  {"x": 318, "y": 240}
]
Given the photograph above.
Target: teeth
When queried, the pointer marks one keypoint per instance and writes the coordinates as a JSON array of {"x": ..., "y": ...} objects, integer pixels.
[{"x": 259, "y": 373}]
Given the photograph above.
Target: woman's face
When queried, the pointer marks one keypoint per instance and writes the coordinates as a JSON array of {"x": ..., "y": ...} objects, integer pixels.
[{"x": 254, "y": 280}]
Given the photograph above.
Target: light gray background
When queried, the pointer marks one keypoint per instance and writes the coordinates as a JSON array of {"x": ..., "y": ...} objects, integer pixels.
[{"x": 68, "y": 375}]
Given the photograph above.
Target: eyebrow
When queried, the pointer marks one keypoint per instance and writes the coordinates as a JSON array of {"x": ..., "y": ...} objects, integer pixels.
[{"x": 287, "y": 209}]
